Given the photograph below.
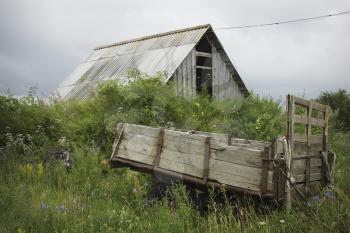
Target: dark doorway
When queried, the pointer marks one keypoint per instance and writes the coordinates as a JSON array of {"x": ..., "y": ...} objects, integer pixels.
[{"x": 204, "y": 83}]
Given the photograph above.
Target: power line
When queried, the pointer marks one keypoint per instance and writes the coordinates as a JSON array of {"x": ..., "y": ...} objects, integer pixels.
[{"x": 284, "y": 22}]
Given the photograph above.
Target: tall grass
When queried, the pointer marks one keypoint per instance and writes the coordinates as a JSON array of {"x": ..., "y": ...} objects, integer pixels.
[{"x": 41, "y": 195}]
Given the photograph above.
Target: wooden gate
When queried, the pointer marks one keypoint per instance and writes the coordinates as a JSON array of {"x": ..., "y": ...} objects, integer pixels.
[{"x": 307, "y": 134}]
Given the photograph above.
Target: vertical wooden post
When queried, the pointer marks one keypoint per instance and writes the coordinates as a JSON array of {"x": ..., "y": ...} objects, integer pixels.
[
  {"x": 309, "y": 112},
  {"x": 325, "y": 130},
  {"x": 229, "y": 139},
  {"x": 324, "y": 145},
  {"x": 206, "y": 160},
  {"x": 159, "y": 148},
  {"x": 117, "y": 141},
  {"x": 307, "y": 160},
  {"x": 194, "y": 74},
  {"x": 307, "y": 175},
  {"x": 265, "y": 169},
  {"x": 289, "y": 147}
]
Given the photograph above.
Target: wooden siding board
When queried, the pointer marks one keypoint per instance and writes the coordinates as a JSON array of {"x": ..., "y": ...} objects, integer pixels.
[
  {"x": 193, "y": 70},
  {"x": 185, "y": 77}
]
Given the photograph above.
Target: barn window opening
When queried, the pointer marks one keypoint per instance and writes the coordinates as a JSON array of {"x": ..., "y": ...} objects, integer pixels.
[{"x": 204, "y": 67}]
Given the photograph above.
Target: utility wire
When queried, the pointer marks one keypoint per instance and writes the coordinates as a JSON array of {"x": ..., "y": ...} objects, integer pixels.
[{"x": 284, "y": 22}]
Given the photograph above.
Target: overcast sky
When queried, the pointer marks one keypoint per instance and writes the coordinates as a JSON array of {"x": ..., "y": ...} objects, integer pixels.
[{"x": 42, "y": 41}]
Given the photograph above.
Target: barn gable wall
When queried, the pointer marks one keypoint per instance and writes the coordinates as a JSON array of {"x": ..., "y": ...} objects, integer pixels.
[{"x": 224, "y": 85}]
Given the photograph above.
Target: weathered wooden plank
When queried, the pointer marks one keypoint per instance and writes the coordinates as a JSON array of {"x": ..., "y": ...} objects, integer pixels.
[
  {"x": 309, "y": 112},
  {"x": 180, "y": 167},
  {"x": 237, "y": 155},
  {"x": 185, "y": 135},
  {"x": 301, "y": 149},
  {"x": 300, "y": 163},
  {"x": 203, "y": 67},
  {"x": 118, "y": 140},
  {"x": 135, "y": 156},
  {"x": 194, "y": 160},
  {"x": 325, "y": 131},
  {"x": 218, "y": 138},
  {"x": 305, "y": 103},
  {"x": 176, "y": 175},
  {"x": 251, "y": 183},
  {"x": 159, "y": 147},
  {"x": 134, "y": 145},
  {"x": 279, "y": 179},
  {"x": 179, "y": 139},
  {"x": 142, "y": 130},
  {"x": 305, "y": 120},
  {"x": 314, "y": 139},
  {"x": 265, "y": 169},
  {"x": 251, "y": 174},
  {"x": 181, "y": 79},
  {"x": 188, "y": 75},
  {"x": 193, "y": 77},
  {"x": 139, "y": 138},
  {"x": 184, "y": 146},
  {"x": 215, "y": 137},
  {"x": 232, "y": 180},
  {"x": 129, "y": 149},
  {"x": 307, "y": 177},
  {"x": 247, "y": 141},
  {"x": 291, "y": 138},
  {"x": 270, "y": 184},
  {"x": 215, "y": 72},
  {"x": 202, "y": 54},
  {"x": 207, "y": 155},
  {"x": 249, "y": 146},
  {"x": 184, "y": 78}
]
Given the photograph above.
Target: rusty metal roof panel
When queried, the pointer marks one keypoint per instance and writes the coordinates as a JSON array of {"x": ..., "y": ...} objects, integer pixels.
[
  {"x": 159, "y": 53},
  {"x": 116, "y": 68}
]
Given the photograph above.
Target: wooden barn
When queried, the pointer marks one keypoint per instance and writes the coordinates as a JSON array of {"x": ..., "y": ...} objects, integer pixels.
[{"x": 193, "y": 57}]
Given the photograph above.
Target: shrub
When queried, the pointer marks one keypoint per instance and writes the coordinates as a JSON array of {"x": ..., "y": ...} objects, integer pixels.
[{"x": 339, "y": 101}]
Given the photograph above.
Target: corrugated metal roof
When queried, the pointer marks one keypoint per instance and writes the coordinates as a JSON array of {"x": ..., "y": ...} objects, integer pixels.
[{"x": 161, "y": 52}]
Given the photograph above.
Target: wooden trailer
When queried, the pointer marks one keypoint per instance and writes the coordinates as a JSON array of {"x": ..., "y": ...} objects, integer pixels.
[{"x": 294, "y": 166}]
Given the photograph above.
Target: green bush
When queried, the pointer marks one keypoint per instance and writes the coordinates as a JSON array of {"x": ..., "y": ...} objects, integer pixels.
[
  {"x": 27, "y": 124},
  {"x": 339, "y": 101},
  {"x": 37, "y": 196}
]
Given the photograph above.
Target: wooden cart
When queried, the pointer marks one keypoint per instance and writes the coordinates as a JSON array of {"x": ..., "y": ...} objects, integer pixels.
[{"x": 296, "y": 165}]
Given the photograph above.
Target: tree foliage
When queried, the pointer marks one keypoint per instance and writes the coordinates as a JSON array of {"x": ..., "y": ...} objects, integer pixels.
[{"x": 339, "y": 101}]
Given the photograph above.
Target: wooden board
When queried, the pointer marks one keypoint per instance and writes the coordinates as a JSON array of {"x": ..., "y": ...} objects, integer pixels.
[
  {"x": 183, "y": 152},
  {"x": 301, "y": 178},
  {"x": 180, "y": 167},
  {"x": 237, "y": 175},
  {"x": 216, "y": 137},
  {"x": 133, "y": 129},
  {"x": 299, "y": 165},
  {"x": 138, "y": 143},
  {"x": 237, "y": 155}
]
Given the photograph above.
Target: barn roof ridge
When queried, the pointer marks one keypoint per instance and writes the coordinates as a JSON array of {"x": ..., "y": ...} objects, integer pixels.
[
  {"x": 153, "y": 36},
  {"x": 149, "y": 54}
]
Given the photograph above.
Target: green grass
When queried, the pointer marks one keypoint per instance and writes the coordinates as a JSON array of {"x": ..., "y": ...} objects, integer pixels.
[
  {"x": 44, "y": 197},
  {"x": 94, "y": 198}
]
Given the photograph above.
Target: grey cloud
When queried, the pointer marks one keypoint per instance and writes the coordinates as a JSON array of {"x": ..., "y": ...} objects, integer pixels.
[{"x": 42, "y": 41}]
